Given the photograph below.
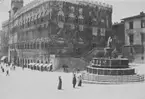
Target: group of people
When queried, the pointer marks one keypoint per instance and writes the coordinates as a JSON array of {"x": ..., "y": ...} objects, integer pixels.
[
  {"x": 5, "y": 68},
  {"x": 75, "y": 81}
]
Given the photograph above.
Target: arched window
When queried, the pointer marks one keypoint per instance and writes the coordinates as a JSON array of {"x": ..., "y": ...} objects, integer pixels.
[
  {"x": 31, "y": 46},
  {"x": 25, "y": 46},
  {"x": 28, "y": 61},
  {"x": 25, "y": 61},
  {"x": 28, "y": 46},
  {"x": 20, "y": 46},
  {"x": 46, "y": 45},
  {"x": 42, "y": 45},
  {"x": 34, "y": 45},
  {"x": 17, "y": 46},
  {"x": 37, "y": 45}
]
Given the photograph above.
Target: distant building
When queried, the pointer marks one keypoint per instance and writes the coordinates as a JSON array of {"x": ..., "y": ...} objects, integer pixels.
[
  {"x": 118, "y": 30},
  {"x": 4, "y": 36},
  {"x": 134, "y": 26},
  {"x": 3, "y": 43},
  {"x": 59, "y": 27},
  {"x": 0, "y": 40},
  {"x": 135, "y": 31}
]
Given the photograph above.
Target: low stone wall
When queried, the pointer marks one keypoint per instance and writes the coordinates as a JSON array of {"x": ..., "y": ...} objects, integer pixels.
[
  {"x": 71, "y": 62},
  {"x": 110, "y": 79}
]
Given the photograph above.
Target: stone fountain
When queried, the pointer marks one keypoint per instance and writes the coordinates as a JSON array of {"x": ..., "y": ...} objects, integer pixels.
[{"x": 109, "y": 69}]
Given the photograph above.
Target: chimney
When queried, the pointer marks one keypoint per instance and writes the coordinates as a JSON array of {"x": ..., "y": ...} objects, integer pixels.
[{"x": 142, "y": 13}]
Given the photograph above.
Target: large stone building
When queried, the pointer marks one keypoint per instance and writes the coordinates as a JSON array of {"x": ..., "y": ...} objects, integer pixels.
[
  {"x": 134, "y": 27},
  {"x": 45, "y": 27},
  {"x": 135, "y": 31},
  {"x": 134, "y": 36},
  {"x": 4, "y": 38}
]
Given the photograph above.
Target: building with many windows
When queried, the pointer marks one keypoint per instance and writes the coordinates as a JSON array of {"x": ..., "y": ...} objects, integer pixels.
[
  {"x": 45, "y": 27},
  {"x": 4, "y": 38},
  {"x": 134, "y": 27},
  {"x": 134, "y": 35}
]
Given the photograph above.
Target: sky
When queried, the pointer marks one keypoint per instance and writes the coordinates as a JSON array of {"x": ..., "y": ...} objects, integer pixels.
[{"x": 121, "y": 8}]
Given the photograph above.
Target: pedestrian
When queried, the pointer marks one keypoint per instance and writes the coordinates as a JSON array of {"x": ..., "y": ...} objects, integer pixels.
[
  {"x": 74, "y": 81},
  {"x": 80, "y": 81},
  {"x": 23, "y": 67},
  {"x": 7, "y": 70},
  {"x": 14, "y": 67},
  {"x": 51, "y": 67},
  {"x": 59, "y": 83},
  {"x": 2, "y": 69}
]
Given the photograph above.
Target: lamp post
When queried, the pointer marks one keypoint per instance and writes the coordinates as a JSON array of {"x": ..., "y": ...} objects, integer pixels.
[{"x": 142, "y": 43}]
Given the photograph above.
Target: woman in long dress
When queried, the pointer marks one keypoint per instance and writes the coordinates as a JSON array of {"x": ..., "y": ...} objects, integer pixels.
[
  {"x": 60, "y": 83},
  {"x": 80, "y": 81}
]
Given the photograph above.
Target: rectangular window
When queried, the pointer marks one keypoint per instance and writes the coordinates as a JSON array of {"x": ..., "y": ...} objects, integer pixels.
[
  {"x": 142, "y": 23},
  {"x": 130, "y": 25}
]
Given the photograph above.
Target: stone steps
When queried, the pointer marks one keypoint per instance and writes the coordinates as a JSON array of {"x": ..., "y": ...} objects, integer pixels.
[
  {"x": 89, "y": 55},
  {"x": 91, "y": 78}
]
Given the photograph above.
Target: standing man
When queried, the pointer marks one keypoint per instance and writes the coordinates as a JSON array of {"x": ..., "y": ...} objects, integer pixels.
[
  {"x": 59, "y": 83},
  {"x": 7, "y": 70},
  {"x": 51, "y": 68},
  {"x": 74, "y": 81}
]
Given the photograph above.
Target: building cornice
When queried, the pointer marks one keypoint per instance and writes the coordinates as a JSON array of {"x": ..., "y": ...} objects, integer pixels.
[
  {"x": 141, "y": 15},
  {"x": 36, "y": 3}
]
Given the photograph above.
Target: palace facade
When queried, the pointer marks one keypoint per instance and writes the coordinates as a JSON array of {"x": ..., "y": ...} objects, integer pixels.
[
  {"x": 45, "y": 27},
  {"x": 4, "y": 39}
]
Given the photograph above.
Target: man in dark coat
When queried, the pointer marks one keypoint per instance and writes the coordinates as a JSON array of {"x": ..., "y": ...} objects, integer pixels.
[
  {"x": 2, "y": 69},
  {"x": 51, "y": 67},
  {"x": 60, "y": 83},
  {"x": 74, "y": 81}
]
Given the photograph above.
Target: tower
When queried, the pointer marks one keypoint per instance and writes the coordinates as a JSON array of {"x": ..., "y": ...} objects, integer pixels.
[{"x": 15, "y": 6}]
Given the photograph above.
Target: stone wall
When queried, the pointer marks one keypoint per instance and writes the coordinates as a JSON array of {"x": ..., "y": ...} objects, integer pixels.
[{"x": 71, "y": 62}]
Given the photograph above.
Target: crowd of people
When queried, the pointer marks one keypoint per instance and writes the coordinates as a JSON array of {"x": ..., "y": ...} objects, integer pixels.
[
  {"x": 76, "y": 81},
  {"x": 6, "y": 67}
]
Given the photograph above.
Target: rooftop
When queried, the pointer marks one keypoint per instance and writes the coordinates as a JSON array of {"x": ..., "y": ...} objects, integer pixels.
[
  {"x": 142, "y": 14},
  {"x": 35, "y": 3},
  {"x": 118, "y": 23}
]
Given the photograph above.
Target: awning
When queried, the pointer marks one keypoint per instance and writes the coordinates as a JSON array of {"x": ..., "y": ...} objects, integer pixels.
[
  {"x": 31, "y": 63},
  {"x": 49, "y": 65},
  {"x": 40, "y": 65},
  {"x": 45, "y": 65},
  {"x": 3, "y": 58}
]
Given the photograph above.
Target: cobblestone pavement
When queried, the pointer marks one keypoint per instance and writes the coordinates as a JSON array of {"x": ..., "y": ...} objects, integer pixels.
[{"x": 28, "y": 84}]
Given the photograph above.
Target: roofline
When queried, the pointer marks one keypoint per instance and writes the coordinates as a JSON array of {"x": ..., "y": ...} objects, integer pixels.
[
  {"x": 117, "y": 24},
  {"x": 133, "y": 17},
  {"x": 36, "y": 3}
]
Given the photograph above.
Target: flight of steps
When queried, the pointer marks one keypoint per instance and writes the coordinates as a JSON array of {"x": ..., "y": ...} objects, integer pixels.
[
  {"x": 89, "y": 55},
  {"x": 110, "y": 79},
  {"x": 71, "y": 62}
]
